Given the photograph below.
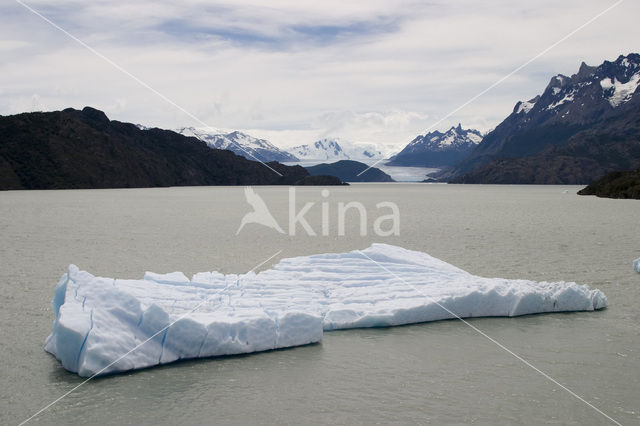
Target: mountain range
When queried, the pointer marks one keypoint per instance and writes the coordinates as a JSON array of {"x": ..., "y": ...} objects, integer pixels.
[
  {"x": 437, "y": 149},
  {"x": 84, "y": 149},
  {"x": 580, "y": 128},
  {"x": 242, "y": 144},
  {"x": 335, "y": 149},
  {"x": 254, "y": 148}
]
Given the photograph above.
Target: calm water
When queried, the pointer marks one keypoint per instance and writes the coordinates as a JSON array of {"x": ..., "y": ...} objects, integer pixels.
[{"x": 432, "y": 373}]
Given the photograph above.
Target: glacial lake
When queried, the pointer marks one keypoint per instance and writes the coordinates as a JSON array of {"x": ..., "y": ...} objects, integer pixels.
[{"x": 433, "y": 373}]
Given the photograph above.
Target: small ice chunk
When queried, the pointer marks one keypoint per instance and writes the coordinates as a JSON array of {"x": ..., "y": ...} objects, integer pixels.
[{"x": 636, "y": 265}]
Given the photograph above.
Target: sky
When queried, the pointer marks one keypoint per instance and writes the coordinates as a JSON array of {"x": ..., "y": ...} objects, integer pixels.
[{"x": 296, "y": 71}]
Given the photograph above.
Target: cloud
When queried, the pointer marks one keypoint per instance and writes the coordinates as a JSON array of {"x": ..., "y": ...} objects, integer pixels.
[
  {"x": 365, "y": 70},
  {"x": 287, "y": 37},
  {"x": 381, "y": 128}
]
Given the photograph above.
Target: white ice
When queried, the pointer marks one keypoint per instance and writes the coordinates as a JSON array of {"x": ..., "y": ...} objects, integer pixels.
[
  {"x": 622, "y": 92},
  {"x": 636, "y": 265},
  {"x": 100, "y": 322},
  {"x": 525, "y": 106},
  {"x": 567, "y": 98}
]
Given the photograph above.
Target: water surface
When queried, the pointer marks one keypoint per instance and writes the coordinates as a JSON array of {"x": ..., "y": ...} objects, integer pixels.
[{"x": 433, "y": 373}]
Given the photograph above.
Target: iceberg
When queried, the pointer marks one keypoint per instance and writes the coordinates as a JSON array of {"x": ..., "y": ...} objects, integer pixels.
[
  {"x": 636, "y": 265},
  {"x": 106, "y": 325}
]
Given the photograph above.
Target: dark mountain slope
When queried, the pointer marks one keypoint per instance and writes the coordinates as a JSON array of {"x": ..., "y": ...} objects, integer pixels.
[
  {"x": 577, "y": 111},
  {"x": 84, "y": 149},
  {"x": 615, "y": 185},
  {"x": 610, "y": 145},
  {"x": 348, "y": 171}
]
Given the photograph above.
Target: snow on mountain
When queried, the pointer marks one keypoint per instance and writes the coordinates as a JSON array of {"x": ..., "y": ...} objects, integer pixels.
[
  {"x": 618, "y": 92},
  {"x": 437, "y": 149},
  {"x": 592, "y": 100},
  {"x": 240, "y": 143},
  {"x": 455, "y": 137},
  {"x": 324, "y": 149},
  {"x": 362, "y": 151},
  {"x": 585, "y": 95},
  {"x": 526, "y": 106},
  {"x": 336, "y": 149}
]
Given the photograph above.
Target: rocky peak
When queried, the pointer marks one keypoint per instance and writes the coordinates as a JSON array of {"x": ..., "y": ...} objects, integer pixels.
[{"x": 585, "y": 71}]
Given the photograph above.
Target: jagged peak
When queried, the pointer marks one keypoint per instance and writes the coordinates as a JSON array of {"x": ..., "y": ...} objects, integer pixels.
[
  {"x": 559, "y": 80},
  {"x": 586, "y": 70},
  {"x": 631, "y": 58},
  {"x": 525, "y": 106},
  {"x": 238, "y": 133},
  {"x": 454, "y": 136},
  {"x": 453, "y": 129}
]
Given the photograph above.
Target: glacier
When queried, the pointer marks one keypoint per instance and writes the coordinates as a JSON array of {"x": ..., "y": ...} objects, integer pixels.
[
  {"x": 106, "y": 325},
  {"x": 335, "y": 149}
]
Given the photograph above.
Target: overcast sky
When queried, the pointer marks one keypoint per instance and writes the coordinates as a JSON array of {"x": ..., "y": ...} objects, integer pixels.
[{"x": 294, "y": 71}]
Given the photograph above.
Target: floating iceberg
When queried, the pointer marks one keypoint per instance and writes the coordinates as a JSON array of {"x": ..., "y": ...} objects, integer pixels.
[
  {"x": 636, "y": 265},
  {"x": 105, "y": 325}
]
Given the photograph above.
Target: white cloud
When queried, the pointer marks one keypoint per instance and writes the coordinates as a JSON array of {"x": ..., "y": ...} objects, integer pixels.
[
  {"x": 383, "y": 128},
  {"x": 365, "y": 71},
  {"x": 9, "y": 45}
]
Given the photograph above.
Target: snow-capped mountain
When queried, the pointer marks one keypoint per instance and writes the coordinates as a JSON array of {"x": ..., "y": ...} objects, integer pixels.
[
  {"x": 335, "y": 149},
  {"x": 437, "y": 149},
  {"x": 240, "y": 143},
  {"x": 579, "y": 128},
  {"x": 584, "y": 96}
]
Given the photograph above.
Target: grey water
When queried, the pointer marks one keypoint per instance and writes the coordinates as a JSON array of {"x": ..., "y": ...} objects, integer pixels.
[{"x": 433, "y": 373}]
